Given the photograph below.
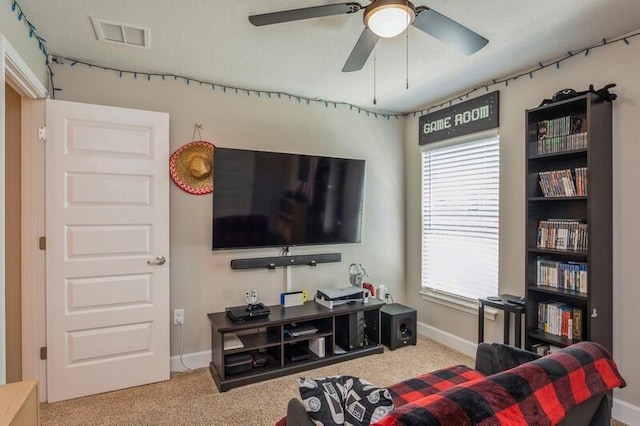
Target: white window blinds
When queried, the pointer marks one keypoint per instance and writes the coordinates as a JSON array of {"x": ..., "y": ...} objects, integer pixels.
[{"x": 460, "y": 218}]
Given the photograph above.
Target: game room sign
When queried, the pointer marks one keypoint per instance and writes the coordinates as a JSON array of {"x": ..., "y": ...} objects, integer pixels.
[{"x": 474, "y": 115}]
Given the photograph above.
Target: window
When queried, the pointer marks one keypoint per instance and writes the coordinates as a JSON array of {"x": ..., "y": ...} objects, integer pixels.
[{"x": 460, "y": 218}]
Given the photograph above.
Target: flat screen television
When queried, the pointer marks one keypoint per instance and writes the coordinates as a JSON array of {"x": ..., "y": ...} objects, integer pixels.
[{"x": 272, "y": 199}]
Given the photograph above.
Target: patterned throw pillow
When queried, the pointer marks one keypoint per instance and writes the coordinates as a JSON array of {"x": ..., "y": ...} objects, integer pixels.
[{"x": 344, "y": 400}]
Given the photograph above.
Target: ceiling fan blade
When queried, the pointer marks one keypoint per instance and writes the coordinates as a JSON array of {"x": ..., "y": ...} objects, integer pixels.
[
  {"x": 361, "y": 51},
  {"x": 304, "y": 13},
  {"x": 448, "y": 31}
]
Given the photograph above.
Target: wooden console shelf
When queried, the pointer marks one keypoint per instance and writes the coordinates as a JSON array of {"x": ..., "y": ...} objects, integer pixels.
[
  {"x": 19, "y": 404},
  {"x": 268, "y": 337}
]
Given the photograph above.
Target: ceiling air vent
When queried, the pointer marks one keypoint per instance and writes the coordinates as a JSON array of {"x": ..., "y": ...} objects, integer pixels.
[{"x": 114, "y": 32}]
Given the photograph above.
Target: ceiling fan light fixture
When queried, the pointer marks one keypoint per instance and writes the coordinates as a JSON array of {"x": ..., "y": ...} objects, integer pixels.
[{"x": 388, "y": 18}]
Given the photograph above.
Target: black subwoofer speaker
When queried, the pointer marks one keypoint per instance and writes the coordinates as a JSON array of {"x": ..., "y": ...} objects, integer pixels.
[{"x": 398, "y": 325}]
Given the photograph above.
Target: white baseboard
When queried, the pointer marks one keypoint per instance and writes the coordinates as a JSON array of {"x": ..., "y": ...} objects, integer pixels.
[
  {"x": 625, "y": 412},
  {"x": 202, "y": 359},
  {"x": 447, "y": 339},
  {"x": 193, "y": 361},
  {"x": 622, "y": 410}
]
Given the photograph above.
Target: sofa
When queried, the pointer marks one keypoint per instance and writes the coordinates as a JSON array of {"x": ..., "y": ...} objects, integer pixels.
[{"x": 508, "y": 386}]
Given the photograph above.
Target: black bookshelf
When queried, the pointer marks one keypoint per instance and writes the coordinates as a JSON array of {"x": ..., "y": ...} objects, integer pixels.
[{"x": 559, "y": 244}]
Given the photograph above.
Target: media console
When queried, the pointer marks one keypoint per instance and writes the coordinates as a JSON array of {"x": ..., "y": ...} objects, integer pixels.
[{"x": 271, "y": 341}]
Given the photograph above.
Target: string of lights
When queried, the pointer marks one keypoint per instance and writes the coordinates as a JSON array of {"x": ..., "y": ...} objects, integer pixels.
[
  {"x": 148, "y": 76},
  {"x": 62, "y": 60},
  {"x": 15, "y": 8},
  {"x": 541, "y": 65},
  {"x": 33, "y": 33}
]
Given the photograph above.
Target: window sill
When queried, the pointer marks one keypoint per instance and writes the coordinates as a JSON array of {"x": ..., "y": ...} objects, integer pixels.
[{"x": 456, "y": 302}]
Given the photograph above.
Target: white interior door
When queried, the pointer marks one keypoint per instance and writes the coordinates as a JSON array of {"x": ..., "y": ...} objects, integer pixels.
[{"x": 107, "y": 221}]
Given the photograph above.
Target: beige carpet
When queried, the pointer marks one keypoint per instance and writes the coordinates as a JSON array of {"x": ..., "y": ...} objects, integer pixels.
[{"x": 192, "y": 398}]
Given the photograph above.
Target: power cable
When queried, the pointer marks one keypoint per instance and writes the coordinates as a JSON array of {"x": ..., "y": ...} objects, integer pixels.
[{"x": 182, "y": 348}]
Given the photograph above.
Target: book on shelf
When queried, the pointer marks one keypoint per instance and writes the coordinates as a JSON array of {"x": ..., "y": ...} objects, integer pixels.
[
  {"x": 577, "y": 324},
  {"x": 561, "y": 274},
  {"x": 562, "y": 234},
  {"x": 563, "y": 183},
  {"x": 558, "y": 318},
  {"x": 562, "y": 126},
  {"x": 556, "y": 144},
  {"x": 581, "y": 181},
  {"x": 561, "y": 134}
]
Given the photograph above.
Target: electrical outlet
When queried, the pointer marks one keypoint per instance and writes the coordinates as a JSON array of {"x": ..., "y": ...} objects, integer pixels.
[
  {"x": 382, "y": 293},
  {"x": 178, "y": 316}
]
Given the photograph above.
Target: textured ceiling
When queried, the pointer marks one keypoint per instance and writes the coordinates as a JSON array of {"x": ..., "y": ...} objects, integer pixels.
[{"x": 212, "y": 40}]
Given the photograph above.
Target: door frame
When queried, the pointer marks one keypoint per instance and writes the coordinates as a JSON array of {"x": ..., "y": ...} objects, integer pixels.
[{"x": 15, "y": 72}]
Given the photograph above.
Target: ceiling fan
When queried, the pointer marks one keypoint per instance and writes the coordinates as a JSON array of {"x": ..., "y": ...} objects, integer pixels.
[{"x": 384, "y": 18}]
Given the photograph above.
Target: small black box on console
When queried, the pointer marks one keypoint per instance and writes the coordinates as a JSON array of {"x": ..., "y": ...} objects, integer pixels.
[
  {"x": 298, "y": 352},
  {"x": 350, "y": 331},
  {"x": 238, "y": 363},
  {"x": 259, "y": 359}
]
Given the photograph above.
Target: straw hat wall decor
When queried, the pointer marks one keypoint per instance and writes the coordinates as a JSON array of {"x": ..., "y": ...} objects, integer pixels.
[{"x": 190, "y": 167}]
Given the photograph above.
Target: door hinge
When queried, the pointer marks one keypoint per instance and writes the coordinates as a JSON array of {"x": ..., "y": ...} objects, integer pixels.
[
  {"x": 42, "y": 133},
  {"x": 42, "y": 243},
  {"x": 43, "y": 353}
]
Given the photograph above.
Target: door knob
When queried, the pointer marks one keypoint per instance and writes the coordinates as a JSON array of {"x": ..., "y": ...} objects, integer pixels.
[{"x": 157, "y": 261}]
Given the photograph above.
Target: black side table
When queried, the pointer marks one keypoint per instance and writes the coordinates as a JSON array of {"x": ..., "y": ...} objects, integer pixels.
[{"x": 508, "y": 308}]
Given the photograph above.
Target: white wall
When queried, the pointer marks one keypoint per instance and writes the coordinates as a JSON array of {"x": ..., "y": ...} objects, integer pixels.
[
  {"x": 201, "y": 280},
  {"x": 17, "y": 33},
  {"x": 616, "y": 63}
]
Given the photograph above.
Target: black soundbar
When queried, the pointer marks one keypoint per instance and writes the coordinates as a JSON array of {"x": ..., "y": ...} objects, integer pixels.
[{"x": 274, "y": 262}]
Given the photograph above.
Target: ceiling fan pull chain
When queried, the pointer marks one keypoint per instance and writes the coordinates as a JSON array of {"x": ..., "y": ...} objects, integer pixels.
[
  {"x": 375, "y": 49},
  {"x": 407, "y": 51}
]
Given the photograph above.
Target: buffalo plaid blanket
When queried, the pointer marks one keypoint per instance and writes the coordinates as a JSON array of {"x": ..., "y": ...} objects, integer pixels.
[
  {"x": 417, "y": 388},
  {"x": 539, "y": 392}
]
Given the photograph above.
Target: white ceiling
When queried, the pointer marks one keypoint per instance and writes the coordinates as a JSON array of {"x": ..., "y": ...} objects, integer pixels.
[{"x": 212, "y": 40}]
